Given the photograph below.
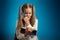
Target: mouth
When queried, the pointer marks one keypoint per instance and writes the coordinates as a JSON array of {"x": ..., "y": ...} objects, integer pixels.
[{"x": 28, "y": 17}]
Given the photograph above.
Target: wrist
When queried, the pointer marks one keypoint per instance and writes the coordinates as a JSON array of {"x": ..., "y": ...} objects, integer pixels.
[{"x": 28, "y": 23}]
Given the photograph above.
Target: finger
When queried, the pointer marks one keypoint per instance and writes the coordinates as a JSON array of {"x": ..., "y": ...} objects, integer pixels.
[
  {"x": 30, "y": 30},
  {"x": 26, "y": 18}
]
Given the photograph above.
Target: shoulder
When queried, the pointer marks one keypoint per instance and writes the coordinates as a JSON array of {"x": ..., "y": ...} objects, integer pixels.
[{"x": 36, "y": 20}]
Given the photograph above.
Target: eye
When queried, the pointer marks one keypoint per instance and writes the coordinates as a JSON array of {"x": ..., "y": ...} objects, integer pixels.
[
  {"x": 26, "y": 13},
  {"x": 29, "y": 13}
]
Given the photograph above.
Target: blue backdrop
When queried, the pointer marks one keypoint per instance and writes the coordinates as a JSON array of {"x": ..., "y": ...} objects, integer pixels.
[{"x": 45, "y": 13}]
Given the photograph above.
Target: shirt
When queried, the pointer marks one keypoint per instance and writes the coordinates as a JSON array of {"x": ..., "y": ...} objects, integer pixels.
[{"x": 35, "y": 26}]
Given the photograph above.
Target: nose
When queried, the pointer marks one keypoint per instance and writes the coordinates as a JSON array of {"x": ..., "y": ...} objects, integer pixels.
[{"x": 28, "y": 14}]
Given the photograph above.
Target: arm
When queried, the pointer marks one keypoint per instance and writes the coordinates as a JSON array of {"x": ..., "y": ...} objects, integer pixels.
[
  {"x": 35, "y": 26},
  {"x": 33, "y": 29}
]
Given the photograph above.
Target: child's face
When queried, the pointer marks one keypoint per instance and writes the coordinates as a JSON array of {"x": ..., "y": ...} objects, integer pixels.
[{"x": 28, "y": 12}]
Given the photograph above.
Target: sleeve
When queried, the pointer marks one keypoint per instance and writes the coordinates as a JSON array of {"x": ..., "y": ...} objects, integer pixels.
[{"x": 35, "y": 25}]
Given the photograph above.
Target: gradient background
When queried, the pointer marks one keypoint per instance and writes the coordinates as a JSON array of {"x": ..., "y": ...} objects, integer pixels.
[{"x": 46, "y": 13}]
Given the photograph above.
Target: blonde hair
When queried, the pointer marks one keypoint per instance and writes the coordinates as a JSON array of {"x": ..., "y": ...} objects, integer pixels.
[{"x": 20, "y": 19}]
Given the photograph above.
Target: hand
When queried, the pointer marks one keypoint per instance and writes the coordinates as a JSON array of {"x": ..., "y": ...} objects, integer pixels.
[
  {"x": 27, "y": 32},
  {"x": 30, "y": 29},
  {"x": 26, "y": 19}
]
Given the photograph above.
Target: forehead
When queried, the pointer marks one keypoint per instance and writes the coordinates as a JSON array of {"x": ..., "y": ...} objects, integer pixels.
[{"x": 28, "y": 10}]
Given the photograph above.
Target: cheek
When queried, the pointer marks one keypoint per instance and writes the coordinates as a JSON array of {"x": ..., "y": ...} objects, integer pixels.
[
  {"x": 30, "y": 14},
  {"x": 25, "y": 15}
]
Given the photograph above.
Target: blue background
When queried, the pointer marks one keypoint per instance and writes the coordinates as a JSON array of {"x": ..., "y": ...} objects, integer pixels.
[{"x": 45, "y": 13}]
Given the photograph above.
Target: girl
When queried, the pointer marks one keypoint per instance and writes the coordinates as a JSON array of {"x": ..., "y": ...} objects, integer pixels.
[{"x": 26, "y": 24}]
